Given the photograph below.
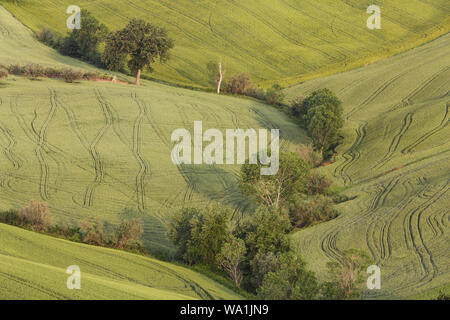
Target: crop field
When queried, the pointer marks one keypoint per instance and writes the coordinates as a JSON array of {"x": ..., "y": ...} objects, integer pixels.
[
  {"x": 283, "y": 40},
  {"x": 34, "y": 266},
  {"x": 395, "y": 159},
  {"x": 95, "y": 149}
]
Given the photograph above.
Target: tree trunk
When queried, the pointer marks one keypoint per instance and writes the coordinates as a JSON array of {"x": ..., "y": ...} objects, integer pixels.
[
  {"x": 219, "y": 82},
  {"x": 138, "y": 77}
]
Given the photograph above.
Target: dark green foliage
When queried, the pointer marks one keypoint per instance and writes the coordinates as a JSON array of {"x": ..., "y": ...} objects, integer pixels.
[
  {"x": 297, "y": 107},
  {"x": 289, "y": 281},
  {"x": 140, "y": 43},
  {"x": 321, "y": 113},
  {"x": 324, "y": 127},
  {"x": 303, "y": 213},
  {"x": 200, "y": 234},
  {"x": 322, "y": 97}
]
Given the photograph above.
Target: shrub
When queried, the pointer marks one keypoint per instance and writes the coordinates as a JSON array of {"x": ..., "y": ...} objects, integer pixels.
[
  {"x": 275, "y": 95},
  {"x": 92, "y": 232},
  {"x": 129, "y": 234},
  {"x": 34, "y": 70},
  {"x": 307, "y": 153},
  {"x": 239, "y": 84},
  {"x": 297, "y": 107},
  {"x": 317, "y": 184},
  {"x": 47, "y": 37},
  {"x": 36, "y": 215},
  {"x": 303, "y": 213},
  {"x": 11, "y": 217},
  {"x": 71, "y": 75},
  {"x": 3, "y": 73},
  {"x": 16, "y": 69}
]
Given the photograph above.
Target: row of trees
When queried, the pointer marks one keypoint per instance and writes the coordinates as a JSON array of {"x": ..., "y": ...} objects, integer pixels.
[
  {"x": 36, "y": 216},
  {"x": 137, "y": 46}
]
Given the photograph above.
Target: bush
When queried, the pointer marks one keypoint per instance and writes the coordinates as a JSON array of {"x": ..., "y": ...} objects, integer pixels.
[
  {"x": 36, "y": 215},
  {"x": 47, "y": 37},
  {"x": 92, "y": 232},
  {"x": 307, "y": 153},
  {"x": 303, "y": 213},
  {"x": 34, "y": 70},
  {"x": 71, "y": 75},
  {"x": 3, "y": 73},
  {"x": 238, "y": 84},
  {"x": 275, "y": 95},
  {"x": 16, "y": 69},
  {"x": 297, "y": 107},
  {"x": 129, "y": 234},
  {"x": 11, "y": 217},
  {"x": 317, "y": 184}
]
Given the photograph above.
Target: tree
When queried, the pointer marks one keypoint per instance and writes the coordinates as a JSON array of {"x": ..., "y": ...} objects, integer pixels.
[
  {"x": 346, "y": 275},
  {"x": 230, "y": 257},
  {"x": 84, "y": 42},
  {"x": 141, "y": 43},
  {"x": 273, "y": 190},
  {"x": 322, "y": 97},
  {"x": 215, "y": 74},
  {"x": 180, "y": 229},
  {"x": 290, "y": 280},
  {"x": 210, "y": 231},
  {"x": 324, "y": 127}
]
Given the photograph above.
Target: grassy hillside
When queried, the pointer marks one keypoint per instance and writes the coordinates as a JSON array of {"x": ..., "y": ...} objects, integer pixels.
[
  {"x": 95, "y": 149},
  {"x": 33, "y": 266},
  {"x": 284, "y": 40},
  {"x": 396, "y": 161}
]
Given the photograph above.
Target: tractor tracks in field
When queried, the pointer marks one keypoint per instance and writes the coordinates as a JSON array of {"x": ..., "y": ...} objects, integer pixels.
[
  {"x": 406, "y": 123},
  {"x": 409, "y": 99},
  {"x": 352, "y": 154},
  {"x": 43, "y": 149},
  {"x": 413, "y": 235},
  {"x": 376, "y": 93},
  {"x": 427, "y": 135},
  {"x": 136, "y": 149},
  {"x": 88, "y": 198}
]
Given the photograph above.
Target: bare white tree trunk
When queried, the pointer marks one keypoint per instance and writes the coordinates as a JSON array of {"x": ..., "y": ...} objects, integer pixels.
[{"x": 221, "y": 73}]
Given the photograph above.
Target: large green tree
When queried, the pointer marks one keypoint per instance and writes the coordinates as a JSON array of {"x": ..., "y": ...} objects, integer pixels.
[
  {"x": 139, "y": 45},
  {"x": 324, "y": 127},
  {"x": 274, "y": 190},
  {"x": 84, "y": 42}
]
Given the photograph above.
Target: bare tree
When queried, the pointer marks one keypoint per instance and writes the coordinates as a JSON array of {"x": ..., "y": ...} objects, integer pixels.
[{"x": 221, "y": 74}]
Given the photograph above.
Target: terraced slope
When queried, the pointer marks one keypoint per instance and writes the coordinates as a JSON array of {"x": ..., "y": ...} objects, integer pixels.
[
  {"x": 33, "y": 266},
  {"x": 95, "y": 149},
  {"x": 396, "y": 161},
  {"x": 285, "y": 40}
]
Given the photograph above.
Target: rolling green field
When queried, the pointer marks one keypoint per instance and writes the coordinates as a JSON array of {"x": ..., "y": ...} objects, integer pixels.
[
  {"x": 95, "y": 149},
  {"x": 33, "y": 266},
  {"x": 102, "y": 150},
  {"x": 283, "y": 40},
  {"x": 395, "y": 159}
]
